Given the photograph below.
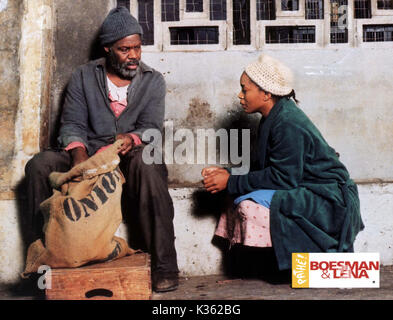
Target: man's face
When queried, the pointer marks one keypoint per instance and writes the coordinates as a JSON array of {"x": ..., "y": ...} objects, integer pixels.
[{"x": 124, "y": 56}]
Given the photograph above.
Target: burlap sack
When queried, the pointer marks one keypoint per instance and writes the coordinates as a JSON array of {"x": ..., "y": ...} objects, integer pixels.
[{"x": 82, "y": 216}]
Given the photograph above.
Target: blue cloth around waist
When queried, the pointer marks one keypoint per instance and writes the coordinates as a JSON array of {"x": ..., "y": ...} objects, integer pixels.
[{"x": 263, "y": 197}]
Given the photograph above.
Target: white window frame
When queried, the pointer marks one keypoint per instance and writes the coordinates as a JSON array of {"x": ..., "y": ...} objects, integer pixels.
[
  {"x": 319, "y": 34},
  {"x": 193, "y": 15},
  {"x": 253, "y": 28},
  {"x": 257, "y": 28},
  {"x": 373, "y": 21},
  {"x": 292, "y": 18},
  {"x": 380, "y": 12},
  {"x": 157, "y": 47},
  {"x": 351, "y": 26},
  {"x": 377, "y": 17},
  {"x": 167, "y": 46},
  {"x": 291, "y": 14}
]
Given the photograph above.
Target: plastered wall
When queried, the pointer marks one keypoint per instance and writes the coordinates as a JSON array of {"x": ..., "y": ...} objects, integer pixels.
[
  {"x": 347, "y": 92},
  {"x": 10, "y": 20}
]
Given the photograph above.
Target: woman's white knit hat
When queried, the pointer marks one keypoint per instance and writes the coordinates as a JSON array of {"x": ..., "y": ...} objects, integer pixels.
[{"x": 271, "y": 75}]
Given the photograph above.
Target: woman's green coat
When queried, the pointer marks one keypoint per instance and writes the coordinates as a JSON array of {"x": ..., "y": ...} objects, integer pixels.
[{"x": 316, "y": 206}]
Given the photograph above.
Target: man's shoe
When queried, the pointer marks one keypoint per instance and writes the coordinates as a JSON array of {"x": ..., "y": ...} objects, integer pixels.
[{"x": 164, "y": 282}]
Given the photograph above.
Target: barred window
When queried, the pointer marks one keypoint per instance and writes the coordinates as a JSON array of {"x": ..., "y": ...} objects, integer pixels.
[
  {"x": 241, "y": 22},
  {"x": 376, "y": 33},
  {"x": 170, "y": 10},
  {"x": 290, "y": 34},
  {"x": 266, "y": 9},
  {"x": 314, "y": 9},
  {"x": 385, "y": 4},
  {"x": 146, "y": 20},
  {"x": 194, "y": 35},
  {"x": 218, "y": 10},
  {"x": 338, "y": 21},
  {"x": 203, "y": 25},
  {"x": 289, "y": 5},
  {"x": 362, "y": 9},
  {"x": 194, "y": 5}
]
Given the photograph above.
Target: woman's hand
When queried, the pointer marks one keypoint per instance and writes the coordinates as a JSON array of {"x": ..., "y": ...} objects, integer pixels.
[
  {"x": 215, "y": 179},
  {"x": 207, "y": 171}
]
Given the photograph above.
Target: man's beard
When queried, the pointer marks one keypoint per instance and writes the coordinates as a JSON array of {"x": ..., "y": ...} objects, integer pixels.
[{"x": 121, "y": 68}]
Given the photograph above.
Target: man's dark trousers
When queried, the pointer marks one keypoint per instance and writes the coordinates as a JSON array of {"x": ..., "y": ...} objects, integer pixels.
[{"x": 146, "y": 202}]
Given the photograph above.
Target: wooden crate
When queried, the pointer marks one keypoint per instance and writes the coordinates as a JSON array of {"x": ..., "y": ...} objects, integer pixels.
[{"x": 127, "y": 278}]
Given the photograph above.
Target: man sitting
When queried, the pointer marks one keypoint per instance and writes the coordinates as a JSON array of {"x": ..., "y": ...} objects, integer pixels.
[{"x": 116, "y": 97}]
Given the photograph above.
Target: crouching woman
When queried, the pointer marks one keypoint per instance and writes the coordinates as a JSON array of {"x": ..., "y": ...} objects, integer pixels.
[{"x": 301, "y": 197}]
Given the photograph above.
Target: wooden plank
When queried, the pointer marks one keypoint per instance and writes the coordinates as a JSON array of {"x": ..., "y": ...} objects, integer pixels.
[{"x": 127, "y": 278}]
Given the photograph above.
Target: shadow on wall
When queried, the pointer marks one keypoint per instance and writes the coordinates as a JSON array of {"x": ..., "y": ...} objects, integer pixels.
[
  {"x": 239, "y": 261},
  {"x": 240, "y": 120},
  {"x": 25, "y": 223},
  {"x": 201, "y": 116},
  {"x": 96, "y": 51}
]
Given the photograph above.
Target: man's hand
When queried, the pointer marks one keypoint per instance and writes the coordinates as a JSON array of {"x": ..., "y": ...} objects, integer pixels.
[
  {"x": 215, "y": 179},
  {"x": 128, "y": 142},
  {"x": 78, "y": 155}
]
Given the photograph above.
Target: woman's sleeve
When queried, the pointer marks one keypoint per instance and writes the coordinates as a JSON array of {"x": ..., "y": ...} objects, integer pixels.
[{"x": 288, "y": 146}]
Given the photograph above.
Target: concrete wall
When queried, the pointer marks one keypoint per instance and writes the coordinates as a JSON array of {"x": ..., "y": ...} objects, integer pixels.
[
  {"x": 196, "y": 215},
  {"x": 77, "y": 25},
  {"x": 347, "y": 93},
  {"x": 10, "y": 20},
  {"x": 26, "y": 58}
]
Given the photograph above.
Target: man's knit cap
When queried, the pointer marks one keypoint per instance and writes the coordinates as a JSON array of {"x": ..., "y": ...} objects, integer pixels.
[
  {"x": 118, "y": 24},
  {"x": 271, "y": 75}
]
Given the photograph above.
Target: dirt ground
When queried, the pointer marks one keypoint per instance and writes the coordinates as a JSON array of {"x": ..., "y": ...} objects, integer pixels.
[
  {"x": 248, "y": 275},
  {"x": 220, "y": 287}
]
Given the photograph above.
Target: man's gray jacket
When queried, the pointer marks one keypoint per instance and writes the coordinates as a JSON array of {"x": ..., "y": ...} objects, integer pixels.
[{"x": 88, "y": 118}]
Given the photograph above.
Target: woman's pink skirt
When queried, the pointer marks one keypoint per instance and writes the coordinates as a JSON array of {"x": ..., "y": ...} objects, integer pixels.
[{"x": 247, "y": 224}]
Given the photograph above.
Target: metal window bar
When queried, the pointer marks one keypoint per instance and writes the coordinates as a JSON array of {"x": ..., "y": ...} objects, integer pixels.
[
  {"x": 289, "y": 5},
  {"x": 194, "y": 35},
  {"x": 362, "y": 9},
  {"x": 338, "y": 21},
  {"x": 170, "y": 10},
  {"x": 377, "y": 33},
  {"x": 314, "y": 9},
  {"x": 194, "y": 5},
  {"x": 146, "y": 20},
  {"x": 218, "y": 10},
  {"x": 385, "y": 4},
  {"x": 123, "y": 3},
  {"x": 290, "y": 34},
  {"x": 266, "y": 10},
  {"x": 241, "y": 22}
]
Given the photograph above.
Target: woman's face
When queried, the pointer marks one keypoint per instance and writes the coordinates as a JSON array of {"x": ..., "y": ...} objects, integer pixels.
[{"x": 251, "y": 97}]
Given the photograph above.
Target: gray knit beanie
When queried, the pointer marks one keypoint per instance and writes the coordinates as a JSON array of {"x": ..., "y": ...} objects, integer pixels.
[{"x": 118, "y": 24}]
